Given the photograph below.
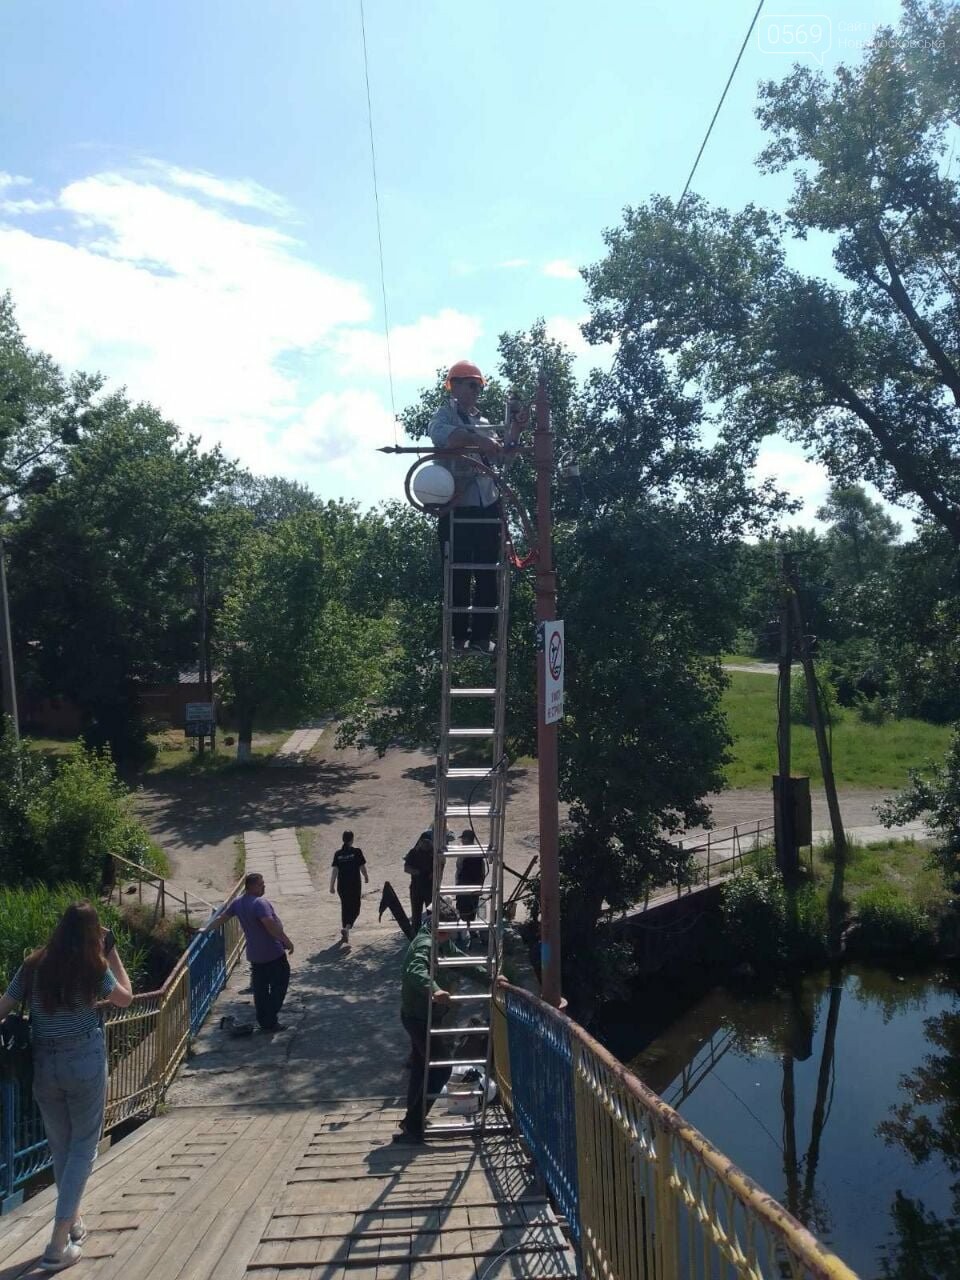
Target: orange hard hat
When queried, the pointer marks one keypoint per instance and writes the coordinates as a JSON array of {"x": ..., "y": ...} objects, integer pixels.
[{"x": 464, "y": 369}]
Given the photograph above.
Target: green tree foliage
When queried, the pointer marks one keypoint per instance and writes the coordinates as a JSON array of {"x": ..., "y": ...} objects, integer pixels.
[
  {"x": 934, "y": 796},
  {"x": 860, "y": 537},
  {"x": 104, "y": 569},
  {"x": 41, "y": 412},
  {"x": 863, "y": 372},
  {"x": 59, "y": 821},
  {"x": 286, "y": 640}
]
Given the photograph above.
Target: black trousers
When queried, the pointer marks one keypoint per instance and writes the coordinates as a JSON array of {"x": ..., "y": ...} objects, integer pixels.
[
  {"x": 349, "y": 904},
  {"x": 473, "y": 544},
  {"x": 270, "y": 981},
  {"x": 421, "y": 895},
  {"x": 416, "y": 1029}
]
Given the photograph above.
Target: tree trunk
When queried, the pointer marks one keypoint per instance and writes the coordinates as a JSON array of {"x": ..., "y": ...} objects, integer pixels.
[{"x": 245, "y": 733}]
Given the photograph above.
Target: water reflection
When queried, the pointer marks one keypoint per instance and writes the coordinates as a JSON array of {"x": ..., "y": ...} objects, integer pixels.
[{"x": 841, "y": 1097}]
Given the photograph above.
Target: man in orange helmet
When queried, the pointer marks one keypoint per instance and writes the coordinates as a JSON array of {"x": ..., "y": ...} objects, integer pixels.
[{"x": 476, "y": 499}]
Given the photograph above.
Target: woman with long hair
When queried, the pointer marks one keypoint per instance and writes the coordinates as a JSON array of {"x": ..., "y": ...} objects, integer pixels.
[{"x": 63, "y": 983}]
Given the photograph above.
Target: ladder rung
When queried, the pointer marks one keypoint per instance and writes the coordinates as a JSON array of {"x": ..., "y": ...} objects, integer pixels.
[
  {"x": 473, "y": 693},
  {"x": 458, "y": 1062},
  {"x": 463, "y": 962},
  {"x": 475, "y": 889},
  {"x": 474, "y": 608},
  {"x": 469, "y": 773},
  {"x": 481, "y": 520},
  {"x": 460, "y": 1031},
  {"x": 467, "y": 1126},
  {"x": 470, "y": 733},
  {"x": 481, "y": 567},
  {"x": 457, "y": 1093},
  {"x": 471, "y": 811},
  {"x": 467, "y": 850},
  {"x": 471, "y": 998}
]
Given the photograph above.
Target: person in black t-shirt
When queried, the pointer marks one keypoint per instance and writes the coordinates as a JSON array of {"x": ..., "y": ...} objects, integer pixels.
[{"x": 348, "y": 865}]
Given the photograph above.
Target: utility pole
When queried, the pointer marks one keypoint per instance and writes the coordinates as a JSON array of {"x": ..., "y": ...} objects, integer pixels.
[
  {"x": 826, "y": 768},
  {"x": 8, "y": 681},
  {"x": 783, "y": 817},
  {"x": 547, "y": 768},
  {"x": 202, "y": 655}
]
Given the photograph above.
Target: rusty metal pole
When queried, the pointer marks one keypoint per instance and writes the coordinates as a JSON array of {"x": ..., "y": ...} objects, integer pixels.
[{"x": 546, "y": 596}]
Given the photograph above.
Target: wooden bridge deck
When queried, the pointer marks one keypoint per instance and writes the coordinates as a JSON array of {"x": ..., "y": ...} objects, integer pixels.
[{"x": 312, "y": 1193}]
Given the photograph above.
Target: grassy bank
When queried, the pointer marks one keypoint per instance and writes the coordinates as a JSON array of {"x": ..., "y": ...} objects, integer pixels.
[{"x": 864, "y": 755}]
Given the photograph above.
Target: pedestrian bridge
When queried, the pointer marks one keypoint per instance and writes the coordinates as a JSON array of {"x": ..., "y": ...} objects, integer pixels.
[{"x": 599, "y": 1176}]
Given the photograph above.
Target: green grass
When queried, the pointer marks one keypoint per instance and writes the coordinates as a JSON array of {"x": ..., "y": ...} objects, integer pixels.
[
  {"x": 741, "y": 659},
  {"x": 902, "y": 866},
  {"x": 306, "y": 839},
  {"x": 864, "y": 755}
]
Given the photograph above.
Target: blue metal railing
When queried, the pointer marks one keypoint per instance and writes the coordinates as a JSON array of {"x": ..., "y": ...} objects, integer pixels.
[
  {"x": 543, "y": 1100},
  {"x": 207, "y": 963},
  {"x": 202, "y": 971}
]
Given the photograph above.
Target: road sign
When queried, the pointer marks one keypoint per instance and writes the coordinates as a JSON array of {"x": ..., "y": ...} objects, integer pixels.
[
  {"x": 553, "y": 656},
  {"x": 199, "y": 719}
]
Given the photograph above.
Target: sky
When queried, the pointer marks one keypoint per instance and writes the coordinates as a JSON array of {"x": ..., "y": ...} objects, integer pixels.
[{"x": 187, "y": 204}]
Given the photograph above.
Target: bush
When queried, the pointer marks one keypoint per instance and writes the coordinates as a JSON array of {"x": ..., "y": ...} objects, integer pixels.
[
  {"x": 59, "y": 820},
  {"x": 888, "y": 928},
  {"x": 829, "y": 703},
  {"x": 29, "y": 916},
  {"x": 765, "y": 929},
  {"x": 870, "y": 710}
]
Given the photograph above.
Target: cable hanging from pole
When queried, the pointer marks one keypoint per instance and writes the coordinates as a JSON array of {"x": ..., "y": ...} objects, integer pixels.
[
  {"x": 713, "y": 121},
  {"x": 376, "y": 202}
]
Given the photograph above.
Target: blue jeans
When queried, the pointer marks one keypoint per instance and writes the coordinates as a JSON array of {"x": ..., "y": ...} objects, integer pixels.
[{"x": 70, "y": 1086}]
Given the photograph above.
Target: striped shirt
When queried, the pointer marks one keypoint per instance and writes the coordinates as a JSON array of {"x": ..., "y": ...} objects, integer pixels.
[{"x": 74, "y": 1021}]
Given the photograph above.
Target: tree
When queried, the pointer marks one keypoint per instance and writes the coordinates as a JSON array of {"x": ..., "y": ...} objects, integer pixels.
[
  {"x": 285, "y": 640},
  {"x": 646, "y": 551},
  {"x": 860, "y": 537},
  {"x": 864, "y": 372},
  {"x": 103, "y": 572},
  {"x": 42, "y": 413}
]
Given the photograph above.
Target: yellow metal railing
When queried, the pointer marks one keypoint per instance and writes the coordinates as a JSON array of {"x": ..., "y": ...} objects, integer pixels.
[
  {"x": 647, "y": 1197},
  {"x": 147, "y": 1040}
]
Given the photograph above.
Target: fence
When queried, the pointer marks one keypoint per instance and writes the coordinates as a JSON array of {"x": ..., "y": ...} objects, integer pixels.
[
  {"x": 120, "y": 871},
  {"x": 720, "y": 853},
  {"x": 145, "y": 1045},
  {"x": 646, "y": 1196}
]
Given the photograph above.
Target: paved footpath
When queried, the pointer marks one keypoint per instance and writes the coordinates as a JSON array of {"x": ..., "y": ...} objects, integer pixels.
[{"x": 276, "y": 856}]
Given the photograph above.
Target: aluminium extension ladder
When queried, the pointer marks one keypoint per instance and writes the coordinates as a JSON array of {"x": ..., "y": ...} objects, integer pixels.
[{"x": 469, "y": 795}]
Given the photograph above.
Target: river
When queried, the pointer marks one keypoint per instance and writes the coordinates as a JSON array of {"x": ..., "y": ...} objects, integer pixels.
[{"x": 843, "y": 1102}]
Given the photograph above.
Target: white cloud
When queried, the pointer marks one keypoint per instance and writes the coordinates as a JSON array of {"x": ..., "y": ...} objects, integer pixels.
[
  {"x": 243, "y": 192},
  {"x": 416, "y": 350},
  {"x": 565, "y": 329},
  {"x": 513, "y": 264},
  {"x": 801, "y": 477},
  {"x": 337, "y": 425},
  {"x": 561, "y": 269},
  {"x": 192, "y": 308},
  {"x": 13, "y": 180},
  {"x": 15, "y": 207}
]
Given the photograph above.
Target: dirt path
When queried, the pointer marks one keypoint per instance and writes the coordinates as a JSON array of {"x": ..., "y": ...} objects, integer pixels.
[{"x": 386, "y": 801}]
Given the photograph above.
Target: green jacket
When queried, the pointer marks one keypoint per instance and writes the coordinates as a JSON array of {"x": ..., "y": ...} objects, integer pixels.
[{"x": 415, "y": 986}]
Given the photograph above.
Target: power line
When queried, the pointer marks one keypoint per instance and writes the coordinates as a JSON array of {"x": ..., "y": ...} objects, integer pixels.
[
  {"x": 376, "y": 201},
  {"x": 706, "y": 136}
]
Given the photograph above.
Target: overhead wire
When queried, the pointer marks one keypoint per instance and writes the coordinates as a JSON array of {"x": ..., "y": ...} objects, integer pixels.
[
  {"x": 713, "y": 121},
  {"x": 376, "y": 202}
]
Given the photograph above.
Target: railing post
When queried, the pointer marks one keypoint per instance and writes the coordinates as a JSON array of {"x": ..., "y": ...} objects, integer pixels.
[
  {"x": 8, "y": 1089},
  {"x": 708, "y": 859}
]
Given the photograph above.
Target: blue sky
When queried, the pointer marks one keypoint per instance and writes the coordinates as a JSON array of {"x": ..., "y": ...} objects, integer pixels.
[{"x": 187, "y": 202}]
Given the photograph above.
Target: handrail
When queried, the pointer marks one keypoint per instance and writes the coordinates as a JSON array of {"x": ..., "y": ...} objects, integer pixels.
[
  {"x": 160, "y": 882},
  {"x": 644, "y": 1191},
  {"x": 145, "y": 1043}
]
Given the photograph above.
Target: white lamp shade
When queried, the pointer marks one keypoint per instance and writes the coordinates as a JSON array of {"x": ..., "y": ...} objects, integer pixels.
[{"x": 433, "y": 485}]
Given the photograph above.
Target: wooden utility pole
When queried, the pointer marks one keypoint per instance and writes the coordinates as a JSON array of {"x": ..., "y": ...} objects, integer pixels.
[
  {"x": 826, "y": 768},
  {"x": 783, "y": 816},
  {"x": 6, "y": 658},
  {"x": 547, "y": 769}
]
